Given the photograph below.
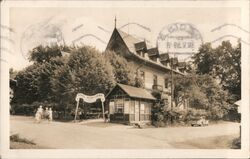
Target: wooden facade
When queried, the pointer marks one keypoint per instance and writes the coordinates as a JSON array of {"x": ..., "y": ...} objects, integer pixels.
[{"x": 125, "y": 106}]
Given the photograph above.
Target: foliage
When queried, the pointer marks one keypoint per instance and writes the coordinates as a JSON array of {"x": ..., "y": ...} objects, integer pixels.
[
  {"x": 17, "y": 138},
  {"x": 42, "y": 54},
  {"x": 123, "y": 70},
  {"x": 34, "y": 81},
  {"x": 54, "y": 80},
  {"x": 236, "y": 143},
  {"x": 85, "y": 71},
  {"x": 12, "y": 73},
  {"x": 223, "y": 62},
  {"x": 204, "y": 92}
]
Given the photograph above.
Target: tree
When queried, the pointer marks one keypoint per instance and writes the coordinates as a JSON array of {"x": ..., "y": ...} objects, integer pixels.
[
  {"x": 12, "y": 73},
  {"x": 123, "y": 71},
  {"x": 85, "y": 71},
  {"x": 223, "y": 63},
  {"x": 204, "y": 93},
  {"x": 42, "y": 54},
  {"x": 205, "y": 59},
  {"x": 34, "y": 82}
]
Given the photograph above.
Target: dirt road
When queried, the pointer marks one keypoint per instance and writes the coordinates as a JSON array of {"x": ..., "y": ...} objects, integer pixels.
[{"x": 113, "y": 136}]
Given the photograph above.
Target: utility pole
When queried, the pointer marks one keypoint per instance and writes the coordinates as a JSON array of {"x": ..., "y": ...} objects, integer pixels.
[
  {"x": 172, "y": 85},
  {"x": 172, "y": 94}
]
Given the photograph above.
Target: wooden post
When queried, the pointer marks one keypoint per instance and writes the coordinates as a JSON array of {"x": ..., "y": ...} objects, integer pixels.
[
  {"x": 77, "y": 104},
  {"x": 103, "y": 112}
]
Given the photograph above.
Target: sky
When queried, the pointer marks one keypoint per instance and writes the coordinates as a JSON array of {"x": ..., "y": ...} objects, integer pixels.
[{"x": 94, "y": 26}]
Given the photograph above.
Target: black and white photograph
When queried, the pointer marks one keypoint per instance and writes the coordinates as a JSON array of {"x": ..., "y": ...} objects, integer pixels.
[{"x": 135, "y": 75}]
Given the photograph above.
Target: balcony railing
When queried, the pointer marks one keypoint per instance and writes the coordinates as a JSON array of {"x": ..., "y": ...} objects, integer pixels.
[{"x": 157, "y": 88}]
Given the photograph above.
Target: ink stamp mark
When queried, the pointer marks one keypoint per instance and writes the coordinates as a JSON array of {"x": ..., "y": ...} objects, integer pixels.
[
  {"x": 227, "y": 24},
  {"x": 103, "y": 29},
  {"x": 88, "y": 35},
  {"x": 230, "y": 35},
  {"x": 179, "y": 38},
  {"x": 44, "y": 33},
  {"x": 8, "y": 28},
  {"x": 77, "y": 27},
  {"x": 141, "y": 26}
]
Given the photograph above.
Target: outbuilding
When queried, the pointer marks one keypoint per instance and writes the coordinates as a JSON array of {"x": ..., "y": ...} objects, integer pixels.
[{"x": 127, "y": 104}]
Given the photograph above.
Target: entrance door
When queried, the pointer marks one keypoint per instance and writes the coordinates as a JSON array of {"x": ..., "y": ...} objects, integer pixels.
[{"x": 137, "y": 111}]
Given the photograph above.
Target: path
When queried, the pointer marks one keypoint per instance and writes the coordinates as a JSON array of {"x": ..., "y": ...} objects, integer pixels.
[{"x": 112, "y": 136}]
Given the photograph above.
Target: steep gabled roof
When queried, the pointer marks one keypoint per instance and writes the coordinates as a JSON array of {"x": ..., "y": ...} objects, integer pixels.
[{"x": 129, "y": 40}]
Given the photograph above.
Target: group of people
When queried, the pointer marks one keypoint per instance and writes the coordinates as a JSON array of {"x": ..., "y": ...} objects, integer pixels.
[{"x": 46, "y": 114}]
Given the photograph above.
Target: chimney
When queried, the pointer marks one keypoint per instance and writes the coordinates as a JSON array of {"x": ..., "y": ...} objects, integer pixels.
[
  {"x": 158, "y": 60},
  {"x": 146, "y": 55},
  {"x": 168, "y": 66},
  {"x": 177, "y": 69}
]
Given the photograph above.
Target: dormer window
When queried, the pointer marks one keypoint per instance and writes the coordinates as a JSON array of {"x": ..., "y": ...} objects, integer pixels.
[
  {"x": 153, "y": 53},
  {"x": 141, "y": 48}
]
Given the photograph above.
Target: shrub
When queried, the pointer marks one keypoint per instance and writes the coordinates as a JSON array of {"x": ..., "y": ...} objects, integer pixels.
[
  {"x": 17, "y": 138},
  {"x": 236, "y": 143}
]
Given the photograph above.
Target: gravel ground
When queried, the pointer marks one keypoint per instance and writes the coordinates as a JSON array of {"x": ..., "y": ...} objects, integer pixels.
[{"x": 99, "y": 135}]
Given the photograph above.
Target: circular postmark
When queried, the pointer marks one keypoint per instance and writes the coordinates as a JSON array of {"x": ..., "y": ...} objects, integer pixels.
[
  {"x": 43, "y": 33},
  {"x": 181, "y": 39}
]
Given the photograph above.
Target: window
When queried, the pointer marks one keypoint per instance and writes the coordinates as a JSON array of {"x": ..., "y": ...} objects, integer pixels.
[
  {"x": 111, "y": 107},
  {"x": 166, "y": 83},
  {"x": 132, "y": 109},
  {"x": 142, "y": 75},
  {"x": 142, "y": 109},
  {"x": 119, "y": 106},
  {"x": 147, "y": 109},
  {"x": 126, "y": 106},
  {"x": 155, "y": 80}
]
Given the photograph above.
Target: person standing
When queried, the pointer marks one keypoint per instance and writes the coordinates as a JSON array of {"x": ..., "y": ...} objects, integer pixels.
[
  {"x": 106, "y": 115},
  {"x": 39, "y": 114},
  {"x": 50, "y": 112},
  {"x": 46, "y": 113}
]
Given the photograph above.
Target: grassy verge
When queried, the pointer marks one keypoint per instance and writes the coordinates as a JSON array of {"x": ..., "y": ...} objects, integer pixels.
[
  {"x": 16, "y": 142},
  {"x": 236, "y": 144},
  {"x": 219, "y": 142}
]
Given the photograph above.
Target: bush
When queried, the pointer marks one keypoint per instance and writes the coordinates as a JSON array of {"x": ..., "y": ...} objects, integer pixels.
[
  {"x": 16, "y": 138},
  {"x": 23, "y": 109},
  {"x": 236, "y": 143},
  {"x": 163, "y": 115}
]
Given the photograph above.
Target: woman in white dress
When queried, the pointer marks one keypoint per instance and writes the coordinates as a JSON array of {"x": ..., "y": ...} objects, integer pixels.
[
  {"x": 50, "y": 112},
  {"x": 39, "y": 113}
]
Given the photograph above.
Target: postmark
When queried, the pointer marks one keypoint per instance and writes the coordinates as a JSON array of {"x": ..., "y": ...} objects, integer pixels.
[
  {"x": 43, "y": 33},
  {"x": 243, "y": 37},
  {"x": 5, "y": 39},
  {"x": 181, "y": 39},
  {"x": 77, "y": 27},
  {"x": 88, "y": 35}
]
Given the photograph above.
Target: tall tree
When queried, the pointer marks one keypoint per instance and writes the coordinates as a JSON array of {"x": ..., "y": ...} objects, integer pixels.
[
  {"x": 223, "y": 63},
  {"x": 205, "y": 93},
  {"x": 85, "y": 71},
  {"x": 123, "y": 71},
  {"x": 42, "y": 53}
]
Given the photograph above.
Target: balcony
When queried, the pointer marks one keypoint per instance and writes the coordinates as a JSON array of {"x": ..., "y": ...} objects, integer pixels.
[{"x": 157, "y": 88}]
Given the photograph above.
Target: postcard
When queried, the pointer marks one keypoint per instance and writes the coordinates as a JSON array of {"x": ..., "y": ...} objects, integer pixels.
[{"x": 124, "y": 79}]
